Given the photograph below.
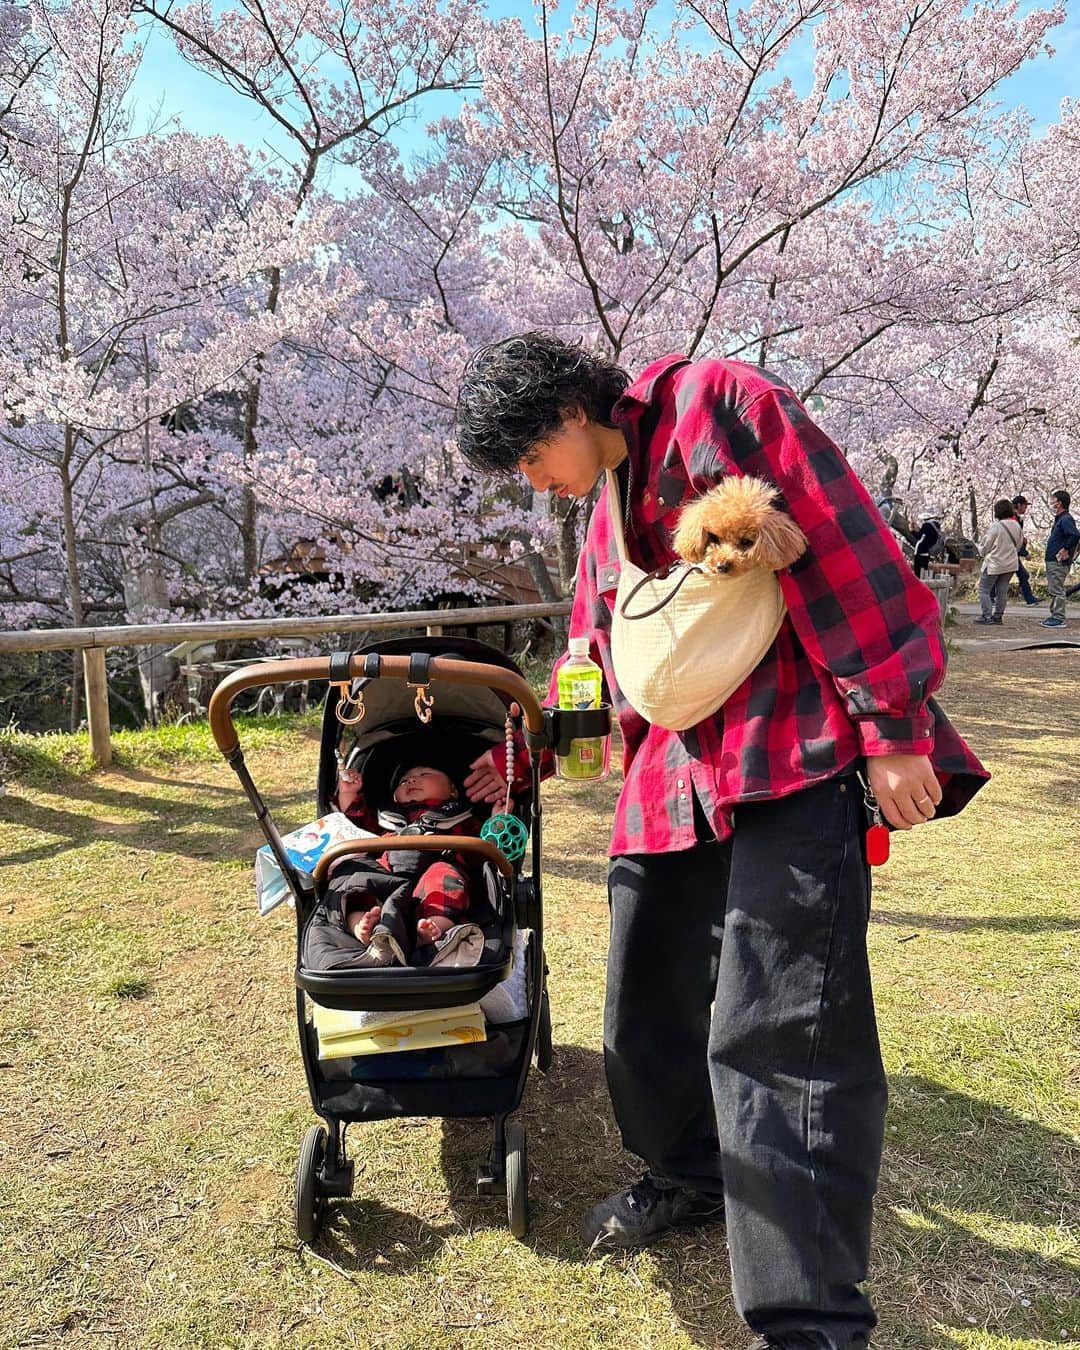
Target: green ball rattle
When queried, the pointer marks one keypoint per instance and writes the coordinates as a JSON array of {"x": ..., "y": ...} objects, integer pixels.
[
  {"x": 505, "y": 830},
  {"x": 507, "y": 833}
]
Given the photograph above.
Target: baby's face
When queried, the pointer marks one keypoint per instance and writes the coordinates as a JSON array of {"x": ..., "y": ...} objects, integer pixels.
[{"x": 421, "y": 784}]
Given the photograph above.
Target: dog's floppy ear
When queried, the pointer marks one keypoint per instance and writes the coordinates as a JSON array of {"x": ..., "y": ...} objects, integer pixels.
[
  {"x": 691, "y": 537},
  {"x": 779, "y": 543}
]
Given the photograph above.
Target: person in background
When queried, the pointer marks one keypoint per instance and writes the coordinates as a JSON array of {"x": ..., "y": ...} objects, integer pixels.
[
  {"x": 1020, "y": 505},
  {"x": 928, "y": 540},
  {"x": 999, "y": 550},
  {"x": 1061, "y": 547}
]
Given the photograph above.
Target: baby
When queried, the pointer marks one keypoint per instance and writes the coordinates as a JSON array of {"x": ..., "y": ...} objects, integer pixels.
[{"x": 375, "y": 896}]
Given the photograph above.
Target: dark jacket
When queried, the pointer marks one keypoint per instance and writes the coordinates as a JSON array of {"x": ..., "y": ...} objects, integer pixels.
[{"x": 1063, "y": 534}]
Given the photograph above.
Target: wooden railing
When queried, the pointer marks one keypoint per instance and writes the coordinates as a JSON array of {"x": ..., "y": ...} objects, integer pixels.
[{"x": 92, "y": 642}]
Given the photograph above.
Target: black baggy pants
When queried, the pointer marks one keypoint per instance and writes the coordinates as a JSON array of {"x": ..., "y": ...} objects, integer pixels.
[{"x": 741, "y": 1047}]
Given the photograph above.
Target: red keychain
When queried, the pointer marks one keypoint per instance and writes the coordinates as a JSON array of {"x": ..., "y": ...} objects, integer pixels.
[{"x": 877, "y": 833}]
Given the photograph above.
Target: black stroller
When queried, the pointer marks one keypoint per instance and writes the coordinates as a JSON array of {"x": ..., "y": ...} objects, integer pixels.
[{"x": 457, "y": 691}]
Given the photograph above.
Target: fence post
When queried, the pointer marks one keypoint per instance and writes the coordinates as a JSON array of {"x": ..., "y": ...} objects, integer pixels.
[{"x": 97, "y": 704}]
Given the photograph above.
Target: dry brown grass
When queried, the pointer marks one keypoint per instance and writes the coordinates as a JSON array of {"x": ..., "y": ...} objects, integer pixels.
[{"x": 152, "y": 1097}]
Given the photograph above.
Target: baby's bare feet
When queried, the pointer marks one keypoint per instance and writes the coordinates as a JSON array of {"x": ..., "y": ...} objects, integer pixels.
[
  {"x": 366, "y": 922},
  {"x": 430, "y": 930}
]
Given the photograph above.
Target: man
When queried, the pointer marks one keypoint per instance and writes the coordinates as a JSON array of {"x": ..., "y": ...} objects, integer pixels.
[
  {"x": 1020, "y": 504},
  {"x": 737, "y": 880},
  {"x": 1061, "y": 546}
]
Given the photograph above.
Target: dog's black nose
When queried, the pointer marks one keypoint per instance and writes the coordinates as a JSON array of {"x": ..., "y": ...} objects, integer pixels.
[{"x": 723, "y": 567}]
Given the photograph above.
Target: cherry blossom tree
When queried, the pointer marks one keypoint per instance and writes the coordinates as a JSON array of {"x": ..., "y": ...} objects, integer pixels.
[
  {"x": 334, "y": 83},
  {"x": 210, "y": 356},
  {"x": 693, "y": 198},
  {"x": 126, "y": 283}
]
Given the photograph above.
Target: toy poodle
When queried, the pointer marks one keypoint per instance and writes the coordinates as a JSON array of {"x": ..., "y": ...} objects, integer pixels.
[{"x": 736, "y": 526}]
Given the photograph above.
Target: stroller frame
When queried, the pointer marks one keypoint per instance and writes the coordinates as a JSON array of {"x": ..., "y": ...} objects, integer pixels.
[{"x": 324, "y": 1171}]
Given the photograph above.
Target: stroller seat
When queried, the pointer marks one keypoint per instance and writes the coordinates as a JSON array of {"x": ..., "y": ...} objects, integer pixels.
[{"x": 401, "y": 988}]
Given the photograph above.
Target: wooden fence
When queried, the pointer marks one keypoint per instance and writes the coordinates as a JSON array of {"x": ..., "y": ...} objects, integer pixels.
[{"x": 92, "y": 642}]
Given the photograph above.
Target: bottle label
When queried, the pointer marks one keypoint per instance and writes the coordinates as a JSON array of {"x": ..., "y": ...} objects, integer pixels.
[{"x": 583, "y": 693}]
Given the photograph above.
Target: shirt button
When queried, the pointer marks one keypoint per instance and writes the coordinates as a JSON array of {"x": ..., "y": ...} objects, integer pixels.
[
  {"x": 662, "y": 501},
  {"x": 681, "y": 783}
]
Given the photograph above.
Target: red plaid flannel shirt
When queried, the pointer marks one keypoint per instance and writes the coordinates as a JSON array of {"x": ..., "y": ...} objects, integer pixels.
[{"x": 856, "y": 659}]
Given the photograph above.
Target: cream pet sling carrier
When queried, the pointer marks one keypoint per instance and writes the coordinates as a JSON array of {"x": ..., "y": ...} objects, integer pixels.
[{"x": 683, "y": 640}]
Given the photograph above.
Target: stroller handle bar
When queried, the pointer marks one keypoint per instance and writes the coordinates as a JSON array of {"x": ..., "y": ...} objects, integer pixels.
[
  {"x": 292, "y": 669},
  {"x": 419, "y": 843}
]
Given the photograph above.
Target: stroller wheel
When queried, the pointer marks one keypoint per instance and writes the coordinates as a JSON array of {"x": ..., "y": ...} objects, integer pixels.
[
  {"x": 310, "y": 1202},
  {"x": 517, "y": 1180},
  {"x": 545, "y": 1052}
]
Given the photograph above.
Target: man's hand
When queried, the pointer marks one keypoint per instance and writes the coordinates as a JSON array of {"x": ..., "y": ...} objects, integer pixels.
[
  {"x": 1063, "y": 555},
  {"x": 906, "y": 788},
  {"x": 485, "y": 783}
]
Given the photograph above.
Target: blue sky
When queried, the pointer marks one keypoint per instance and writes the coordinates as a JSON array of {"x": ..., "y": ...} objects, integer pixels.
[{"x": 167, "y": 83}]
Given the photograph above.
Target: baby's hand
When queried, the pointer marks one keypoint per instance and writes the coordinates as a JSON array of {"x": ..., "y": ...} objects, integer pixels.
[{"x": 350, "y": 788}]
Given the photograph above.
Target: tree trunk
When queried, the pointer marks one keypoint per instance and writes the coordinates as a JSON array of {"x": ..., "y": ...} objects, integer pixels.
[
  {"x": 249, "y": 527},
  {"x": 249, "y": 523},
  {"x": 566, "y": 542},
  {"x": 74, "y": 581},
  {"x": 145, "y": 597}
]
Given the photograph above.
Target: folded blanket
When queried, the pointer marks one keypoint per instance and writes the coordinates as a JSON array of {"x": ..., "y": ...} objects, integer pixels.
[{"x": 509, "y": 1001}]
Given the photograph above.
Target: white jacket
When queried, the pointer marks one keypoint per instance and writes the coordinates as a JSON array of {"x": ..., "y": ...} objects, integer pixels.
[{"x": 999, "y": 547}]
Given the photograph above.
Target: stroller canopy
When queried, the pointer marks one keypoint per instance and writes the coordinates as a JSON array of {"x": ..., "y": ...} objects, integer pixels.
[{"x": 466, "y": 719}]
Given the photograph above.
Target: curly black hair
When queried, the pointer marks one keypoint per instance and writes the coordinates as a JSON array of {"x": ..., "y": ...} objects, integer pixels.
[{"x": 516, "y": 392}]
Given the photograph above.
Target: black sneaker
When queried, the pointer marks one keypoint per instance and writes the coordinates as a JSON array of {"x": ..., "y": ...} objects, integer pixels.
[
  {"x": 805, "y": 1340},
  {"x": 643, "y": 1214},
  {"x": 791, "y": 1340}
]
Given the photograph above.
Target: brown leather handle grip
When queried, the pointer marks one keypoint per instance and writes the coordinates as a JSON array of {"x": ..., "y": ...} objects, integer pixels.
[
  {"x": 416, "y": 843},
  {"x": 289, "y": 669}
]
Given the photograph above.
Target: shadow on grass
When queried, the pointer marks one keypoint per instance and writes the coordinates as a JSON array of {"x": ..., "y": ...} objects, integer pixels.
[
  {"x": 165, "y": 827},
  {"x": 365, "y": 1234},
  {"x": 1002, "y": 923},
  {"x": 956, "y": 1153}
]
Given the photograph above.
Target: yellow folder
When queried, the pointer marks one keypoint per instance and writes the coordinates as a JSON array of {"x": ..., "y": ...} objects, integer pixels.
[{"x": 343, "y": 1032}]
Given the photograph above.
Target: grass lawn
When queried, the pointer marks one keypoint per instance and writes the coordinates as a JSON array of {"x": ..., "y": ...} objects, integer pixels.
[{"x": 152, "y": 1097}]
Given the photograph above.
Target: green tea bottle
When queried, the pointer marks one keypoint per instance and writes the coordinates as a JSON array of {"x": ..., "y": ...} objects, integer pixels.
[{"x": 580, "y": 687}]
